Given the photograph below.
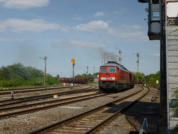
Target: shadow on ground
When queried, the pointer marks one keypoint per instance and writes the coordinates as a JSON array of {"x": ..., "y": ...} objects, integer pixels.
[{"x": 136, "y": 114}]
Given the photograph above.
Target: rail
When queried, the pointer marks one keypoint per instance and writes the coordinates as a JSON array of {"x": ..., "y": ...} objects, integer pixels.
[
  {"x": 85, "y": 114},
  {"x": 51, "y": 105}
]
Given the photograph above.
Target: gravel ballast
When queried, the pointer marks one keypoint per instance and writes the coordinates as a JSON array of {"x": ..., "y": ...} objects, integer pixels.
[{"x": 28, "y": 122}]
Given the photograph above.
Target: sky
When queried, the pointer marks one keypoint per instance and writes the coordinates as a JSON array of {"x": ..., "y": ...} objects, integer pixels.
[{"x": 80, "y": 29}]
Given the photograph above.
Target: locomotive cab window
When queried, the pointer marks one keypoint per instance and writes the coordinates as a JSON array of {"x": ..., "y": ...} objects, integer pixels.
[
  {"x": 103, "y": 70},
  {"x": 112, "y": 70}
]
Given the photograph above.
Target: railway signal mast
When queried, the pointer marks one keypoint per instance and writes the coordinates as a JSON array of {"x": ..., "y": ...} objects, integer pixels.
[
  {"x": 93, "y": 69},
  {"x": 120, "y": 56},
  {"x": 104, "y": 57},
  {"x": 87, "y": 70},
  {"x": 138, "y": 61},
  {"x": 73, "y": 64},
  {"x": 45, "y": 61}
]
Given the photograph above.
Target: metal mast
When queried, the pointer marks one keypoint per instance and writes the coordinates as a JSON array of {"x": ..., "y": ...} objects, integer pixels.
[
  {"x": 87, "y": 70},
  {"x": 45, "y": 61},
  {"x": 138, "y": 61},
  {"x": 120, "y": 56},
  {"x": 93, "y": 69}
]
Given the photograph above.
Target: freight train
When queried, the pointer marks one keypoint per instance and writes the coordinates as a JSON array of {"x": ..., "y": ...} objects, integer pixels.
[
  {"x": 114, "y": 76},
  {"x": 74, "y": 80}
]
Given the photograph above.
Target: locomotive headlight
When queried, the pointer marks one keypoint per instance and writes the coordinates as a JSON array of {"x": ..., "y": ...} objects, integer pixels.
[
  {"x": 103, "y": 78},
  {"x": 112, "y": 78}
]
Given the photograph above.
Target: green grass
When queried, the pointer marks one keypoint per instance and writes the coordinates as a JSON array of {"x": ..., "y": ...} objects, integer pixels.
[{"x": 20, "y": 83}]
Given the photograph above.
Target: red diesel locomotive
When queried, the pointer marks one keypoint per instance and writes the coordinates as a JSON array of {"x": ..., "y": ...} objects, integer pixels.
[{"x": 114, "y": 76}]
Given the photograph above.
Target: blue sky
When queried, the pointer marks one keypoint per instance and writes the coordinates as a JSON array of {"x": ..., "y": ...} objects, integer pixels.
[{"x": 80, "y": 29}]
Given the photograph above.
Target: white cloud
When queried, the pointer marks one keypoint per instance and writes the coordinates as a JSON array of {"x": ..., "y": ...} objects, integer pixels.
[
  {"x": 34, "y": 25},
  {"x": 126, "y": 32},
  {"x": 12, "y": 40},
  {"x": 93, "y": 26},
  {"x": 24, "y": 4},
  {"x": 129, "y": 32},
  {"x": 98, "y": 14},
  {"x": 86, "y": 44}
]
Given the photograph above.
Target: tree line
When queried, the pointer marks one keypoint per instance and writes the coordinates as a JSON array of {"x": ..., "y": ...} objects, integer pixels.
[
  {"x": 20, "y": 75},
  {"x": 152, "y": 80}
]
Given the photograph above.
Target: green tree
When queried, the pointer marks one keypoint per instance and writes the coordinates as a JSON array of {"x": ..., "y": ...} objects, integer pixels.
[
  {"x": 152, "y": 78},
  {"x": 139, "y": 76},
  {"x": 19, "y": 75}
]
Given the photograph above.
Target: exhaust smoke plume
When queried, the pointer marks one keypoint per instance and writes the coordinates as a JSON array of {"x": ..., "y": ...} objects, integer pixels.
[{"x": 107, "y": 56}]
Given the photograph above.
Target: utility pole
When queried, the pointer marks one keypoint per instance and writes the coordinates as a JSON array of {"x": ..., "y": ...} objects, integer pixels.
[
  {"x": 104, "y": 58},
  {"x": 60, "y": 75},
  {"x": 87, "y": 70},
  {"x": 138, "y": 61},
  {"x": 93, "y": 69},
  {"x": 120, "y": 56},
  {"x": 45, "y": 60}
]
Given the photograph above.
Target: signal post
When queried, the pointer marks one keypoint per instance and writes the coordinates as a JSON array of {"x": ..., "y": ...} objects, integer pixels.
[{"x": 73, "y": 65}]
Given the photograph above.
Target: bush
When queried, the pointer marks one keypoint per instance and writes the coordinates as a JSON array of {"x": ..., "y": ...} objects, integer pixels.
[
  {"x": 51, "y": 80},
  {"x": 152, "y": 78},
  {"x": 21, "y": 82},
  {"x": 139, "y": 76}
]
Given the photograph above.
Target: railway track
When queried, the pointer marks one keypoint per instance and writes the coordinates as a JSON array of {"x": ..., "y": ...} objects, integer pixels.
[
  {"x": 92, "y": 120},
  {"x": 29, "y": 90},
  {"x": 29, "y": 108},
  {"x": 14, "y": 106},
  {"x": 44, "y": 96}
]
